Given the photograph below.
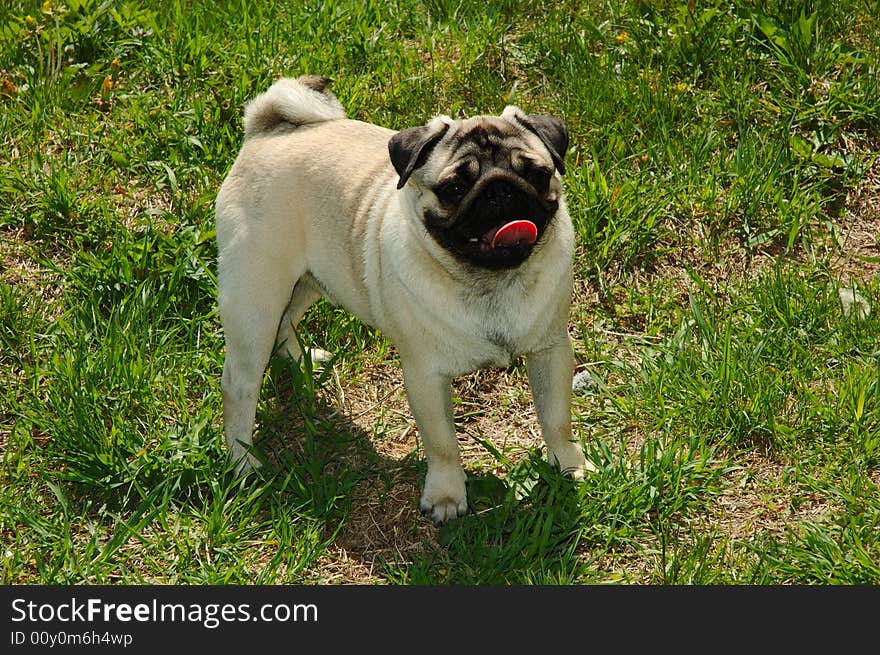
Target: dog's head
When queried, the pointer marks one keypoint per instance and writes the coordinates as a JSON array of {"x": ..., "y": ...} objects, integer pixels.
[{"x": 487, "y": 187}]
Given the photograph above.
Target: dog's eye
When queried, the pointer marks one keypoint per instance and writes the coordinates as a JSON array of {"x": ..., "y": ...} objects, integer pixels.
[
  {"x": 539, "y": 178},
  {"x": 451, "y": 191}
]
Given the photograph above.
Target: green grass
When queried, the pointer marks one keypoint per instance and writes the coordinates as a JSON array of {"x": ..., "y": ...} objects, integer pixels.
[{"x": 724, "y": 183}]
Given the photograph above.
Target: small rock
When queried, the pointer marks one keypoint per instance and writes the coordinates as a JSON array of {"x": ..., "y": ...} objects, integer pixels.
[
  {"x": 583, "y": 382},
  {"x": 854, "y": 304}
]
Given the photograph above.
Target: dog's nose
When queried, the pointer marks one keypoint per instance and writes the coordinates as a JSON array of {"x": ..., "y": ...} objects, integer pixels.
[{"x": 499, "y": 193}]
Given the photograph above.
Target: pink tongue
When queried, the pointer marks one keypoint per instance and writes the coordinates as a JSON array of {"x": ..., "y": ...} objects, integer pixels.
[{"x": 515, "y": 232}]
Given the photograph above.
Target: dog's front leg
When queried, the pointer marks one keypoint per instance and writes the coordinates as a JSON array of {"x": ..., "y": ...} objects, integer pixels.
[
  {"x": 429, "y": 395},
  {"x": 550, "y": 372}
]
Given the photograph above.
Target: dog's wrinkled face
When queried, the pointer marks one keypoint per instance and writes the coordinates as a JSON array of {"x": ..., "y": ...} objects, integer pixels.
[{"x": 487, "y": 185}]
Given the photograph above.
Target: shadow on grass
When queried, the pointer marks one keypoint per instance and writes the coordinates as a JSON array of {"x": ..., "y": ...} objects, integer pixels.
[
  {"x": 524, "y": 529},
  {"x": 330, "y": 505},
  {"x": 521, "y": 529}
]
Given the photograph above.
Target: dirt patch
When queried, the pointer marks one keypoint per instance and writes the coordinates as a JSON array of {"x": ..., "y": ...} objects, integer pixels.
[
  {"x": 757, "y": 499},
  {"x": 19, "y": 267},
  {"x": 491, "y": 406},
  {"x": 857, "y": 258},
  {"x": 384, "y": 526}
]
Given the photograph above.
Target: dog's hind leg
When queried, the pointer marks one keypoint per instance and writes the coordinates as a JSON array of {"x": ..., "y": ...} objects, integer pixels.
[
  {"x": 255, "y": 288},
  {"x": 305, "y": 294},
  {"x": 549, "y": 372}
]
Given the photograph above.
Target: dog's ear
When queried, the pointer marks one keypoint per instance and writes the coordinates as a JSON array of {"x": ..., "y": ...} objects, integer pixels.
[
  {"x": 552, "y": 132},
  {"x": 410, "y": 148}
]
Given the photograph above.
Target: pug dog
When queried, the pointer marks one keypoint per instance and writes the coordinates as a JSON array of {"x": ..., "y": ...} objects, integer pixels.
[{"x": 452, "y": 238}]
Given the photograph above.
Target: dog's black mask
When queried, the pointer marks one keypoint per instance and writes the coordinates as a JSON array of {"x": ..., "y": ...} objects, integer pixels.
[
  {"x": 493, "y": 203},
  {"x": 494, "y": 200}
]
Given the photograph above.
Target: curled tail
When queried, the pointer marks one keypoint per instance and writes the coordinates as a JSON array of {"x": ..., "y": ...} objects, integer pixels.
[{"x": 297, "y": 102}]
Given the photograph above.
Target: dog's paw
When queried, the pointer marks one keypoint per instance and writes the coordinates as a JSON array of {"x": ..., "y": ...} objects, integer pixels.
[
  {"x": 444, "y": 497},
  {"x": 569, "y": 460},
  {"x": 290, "y": 351}
]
